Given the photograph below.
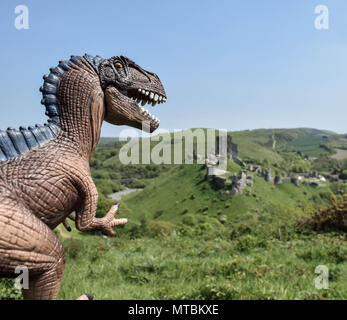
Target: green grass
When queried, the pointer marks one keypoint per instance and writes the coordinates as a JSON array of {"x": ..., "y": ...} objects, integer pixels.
[
  {"x": 182, "y": 267},
  {"x": 219, "y": 267},
  {"x": 258, "y": 253}
]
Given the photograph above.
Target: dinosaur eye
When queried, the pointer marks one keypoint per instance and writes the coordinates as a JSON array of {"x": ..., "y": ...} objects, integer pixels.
[{"x": 118, "y": 65}]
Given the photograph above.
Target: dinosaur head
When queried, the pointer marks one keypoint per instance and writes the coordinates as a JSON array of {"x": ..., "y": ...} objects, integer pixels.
[{"x": 127, "y": 89}]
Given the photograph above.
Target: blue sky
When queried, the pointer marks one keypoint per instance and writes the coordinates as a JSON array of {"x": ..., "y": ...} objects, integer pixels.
[{"x": 225, "y": 64}]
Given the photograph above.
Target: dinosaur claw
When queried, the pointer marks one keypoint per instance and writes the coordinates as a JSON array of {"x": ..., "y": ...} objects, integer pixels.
[
  {"x": 89, "y": 296},
  {"x": 86, "y": 296},
  {"x": 67, "y": 226},
  {"x": 113, "y": 210},
  {"x": 119, "y": 222}
]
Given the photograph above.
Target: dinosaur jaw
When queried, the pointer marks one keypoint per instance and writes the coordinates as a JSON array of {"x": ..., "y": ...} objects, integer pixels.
[{"x": 122, "y": 107}]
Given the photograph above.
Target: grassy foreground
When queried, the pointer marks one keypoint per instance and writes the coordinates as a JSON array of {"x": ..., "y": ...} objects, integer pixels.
[
  {"x": 186, "y": 240},
  {"x": 182, "y": 267}
]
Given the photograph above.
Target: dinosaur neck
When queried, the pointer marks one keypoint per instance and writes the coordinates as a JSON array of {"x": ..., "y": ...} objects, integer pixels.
[{"x": 81, "y": 107}]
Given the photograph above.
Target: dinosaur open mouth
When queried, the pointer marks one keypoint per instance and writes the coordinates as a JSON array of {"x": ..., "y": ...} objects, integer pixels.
[{"x": 142, "y": 96}]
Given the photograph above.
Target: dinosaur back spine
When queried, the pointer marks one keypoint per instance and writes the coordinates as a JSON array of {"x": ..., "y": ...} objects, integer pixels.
[{"x": 15, "y": 142}]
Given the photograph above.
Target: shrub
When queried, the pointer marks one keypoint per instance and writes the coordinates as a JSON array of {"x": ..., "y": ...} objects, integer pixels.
[
  {"x": 248, "y": 241},
  {"x": 339, "y": 188},
  {"x": 326, "y": 147},
  {"x": 202, "y": 226},
  {"x": 158, "y": 229},
  {"x": 137, "y": 184},
  {"x": 190, "y": 220},
  {"x": 325, "y": 195},
  {"x": 106, "y": 186},
  {"x": 343, "y": 175},
  {"x": 104, "y": 205},
  {"x": 133, "y": 230},
  {"x": 333, "y": 217}
]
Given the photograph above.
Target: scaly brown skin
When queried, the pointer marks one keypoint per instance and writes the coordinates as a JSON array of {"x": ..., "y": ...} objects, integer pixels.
[{"x": 42, "y": 187}]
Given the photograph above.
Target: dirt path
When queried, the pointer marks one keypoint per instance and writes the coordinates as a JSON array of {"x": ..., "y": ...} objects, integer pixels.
[
  {"x": 273, "y": 141},
  {"x": 119, "y": 195},
  {"x": 340, "y": 154}
]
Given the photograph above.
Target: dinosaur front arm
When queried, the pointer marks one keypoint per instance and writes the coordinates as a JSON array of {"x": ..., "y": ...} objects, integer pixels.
[{"x": 85, "y": 219}]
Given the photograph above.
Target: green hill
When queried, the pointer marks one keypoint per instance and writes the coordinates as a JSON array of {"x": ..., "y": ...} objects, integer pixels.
[
  {"x": 184, "y": 190},
  {"x": 310, "y": 142}
]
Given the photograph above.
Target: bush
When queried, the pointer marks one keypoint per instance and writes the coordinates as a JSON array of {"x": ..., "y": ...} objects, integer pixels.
[
  {"x": 132, "y": 230},
  {"x": 106, "y": 186},
  {"x": 201, "y": 226},
  {"x": 324, "y": 164},
  {"x": 339, "y": 188},
  {"x": 248, "y": 241},
  {"x": 325, "y": 195},
  {"x": 343, "y": 175},
  {"x": 137, "y": 184},
  {"x": 190, "y": 220},
  {"x": 158, "y": 229},
  {"x": 326, "y": 147},
  {"x": 333, "y": 217},
  {"x": 104, "y": 205}
]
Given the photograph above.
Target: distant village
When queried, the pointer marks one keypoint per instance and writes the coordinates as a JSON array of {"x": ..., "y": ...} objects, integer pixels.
[{"x": 221, "y": 179}]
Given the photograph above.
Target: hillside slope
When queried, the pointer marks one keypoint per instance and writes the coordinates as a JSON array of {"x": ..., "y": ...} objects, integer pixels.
[{"x": 184, "y": 189}]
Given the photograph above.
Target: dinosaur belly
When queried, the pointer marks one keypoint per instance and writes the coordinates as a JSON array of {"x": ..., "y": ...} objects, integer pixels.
[{"x": 52, "y": 200}]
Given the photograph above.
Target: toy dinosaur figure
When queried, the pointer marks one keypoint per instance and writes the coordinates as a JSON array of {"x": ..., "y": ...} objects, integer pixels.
[{"x": 44, "y": 170}]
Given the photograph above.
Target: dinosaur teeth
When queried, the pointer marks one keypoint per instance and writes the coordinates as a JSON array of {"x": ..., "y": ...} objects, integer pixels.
[
  {"x": 149, "y": 116},
  {"x": 141, "y": 97}
]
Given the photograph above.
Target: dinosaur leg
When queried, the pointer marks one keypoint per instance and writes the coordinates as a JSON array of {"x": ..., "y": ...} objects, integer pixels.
[{"x": 27, "y": 241}]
